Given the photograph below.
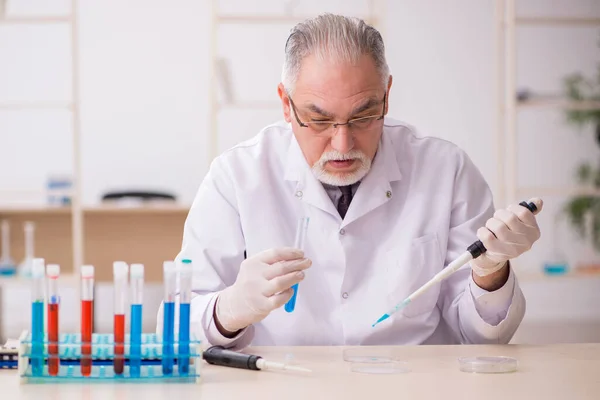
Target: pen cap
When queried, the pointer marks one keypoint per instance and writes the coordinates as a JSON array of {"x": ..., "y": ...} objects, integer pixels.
[
  {"x": 87, "y": 282},
  {"x": 37, "y": 268},
  {"x": 120, "y": 270},
  {"x": 136, "y": 271},
  {"x": 136, "y": 280},
  {"x": 170, "y": 280},
  {"x": 185, "y": 281},
  {"x": 186, "y": 268},
  {"x": 52, "y": 270},
  {"x": 87, "y": 271}
]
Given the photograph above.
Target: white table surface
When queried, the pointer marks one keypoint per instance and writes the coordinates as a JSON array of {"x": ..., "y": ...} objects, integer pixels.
[{"x": 562, "y": 371}]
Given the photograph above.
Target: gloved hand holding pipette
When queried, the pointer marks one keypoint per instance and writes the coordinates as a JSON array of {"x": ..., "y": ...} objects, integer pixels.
[
  {"x": 264, "y": 283},
  {"x": 508, "y": 234}
]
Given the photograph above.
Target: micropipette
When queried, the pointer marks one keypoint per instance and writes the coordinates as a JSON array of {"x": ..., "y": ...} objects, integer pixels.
[
  {"x": 217, "y": 355},
  {"x": 473, "y": 251},
  {"x": 301, "y": 230}
]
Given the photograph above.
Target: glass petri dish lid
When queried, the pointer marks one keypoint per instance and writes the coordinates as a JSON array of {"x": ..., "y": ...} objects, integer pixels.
[
  {"x": 488, "y": 365},
  {"x": 369, "y": 355},
  {"x": 390, "y": 367}
]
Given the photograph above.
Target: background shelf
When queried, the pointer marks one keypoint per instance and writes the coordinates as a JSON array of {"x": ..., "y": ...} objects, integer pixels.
[
  {"x": 545, "y": 21},
  {"x": 560, "y": 103},
  {"x": 35, "y": 20}
]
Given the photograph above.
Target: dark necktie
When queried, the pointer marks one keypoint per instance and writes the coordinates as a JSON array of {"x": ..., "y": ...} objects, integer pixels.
[{"x": 345, "y": 200}]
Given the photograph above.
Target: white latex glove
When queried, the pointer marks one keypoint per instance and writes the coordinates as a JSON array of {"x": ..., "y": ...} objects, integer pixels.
[
  {"x": 263, "y": 284},
  {"x": 507, "y": 235}
]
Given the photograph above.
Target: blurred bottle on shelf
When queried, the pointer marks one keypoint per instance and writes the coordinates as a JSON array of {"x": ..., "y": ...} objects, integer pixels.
[
  {"x": 59, "y": 190},
  {"x": 7, "y": 264},
  {"x": 25, "y": 267},
  {"x": 557, "y": 263},
  {"x": 589, "y": 261}
]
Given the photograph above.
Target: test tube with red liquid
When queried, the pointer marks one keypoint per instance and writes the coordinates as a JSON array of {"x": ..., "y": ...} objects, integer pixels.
[
  {"x": 52, "y": 274},
  {"x": 87, "y": 317},
  {"x": 120, "y": 273}
]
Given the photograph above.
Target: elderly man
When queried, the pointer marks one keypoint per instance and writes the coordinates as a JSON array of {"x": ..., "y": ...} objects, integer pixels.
[{"x": 387, "y": 210}]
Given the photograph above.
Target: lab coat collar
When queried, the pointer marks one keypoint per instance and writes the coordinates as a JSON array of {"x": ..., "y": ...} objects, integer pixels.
[{"x": 375, "y": 188}]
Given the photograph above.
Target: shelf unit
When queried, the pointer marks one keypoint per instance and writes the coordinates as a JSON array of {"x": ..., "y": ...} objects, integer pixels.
[
  {"x": 373, "y": 17},
  {"x": 135, "y": 232},
  {"x": 508, "y": 106},
  {"x": 101, "y": 234},
  {"x": 76, "y": 225}
]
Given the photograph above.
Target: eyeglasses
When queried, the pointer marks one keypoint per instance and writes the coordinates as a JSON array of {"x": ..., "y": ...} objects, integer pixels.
[{"x": 354, "y": 124}]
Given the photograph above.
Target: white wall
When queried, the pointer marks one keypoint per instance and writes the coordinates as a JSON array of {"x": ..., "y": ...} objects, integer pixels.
[{"x": 145, "y": 73}]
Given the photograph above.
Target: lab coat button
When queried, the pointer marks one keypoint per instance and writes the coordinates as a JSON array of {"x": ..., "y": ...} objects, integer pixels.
[
  {"x": 389, "y": 194},
  {"x": 345, "y": 295},
  {"x": 299, "y": 193},
  {"x": 342, "y": 231}
]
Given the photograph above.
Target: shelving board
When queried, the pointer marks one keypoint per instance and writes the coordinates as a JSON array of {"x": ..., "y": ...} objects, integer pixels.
[
  {"x": 277, "y": 19},
  {"x": 250, "y": 105},
  {"x": 570, "y": 275},
  {"x": 30, "y": 210},
  {"x": 54, "y": 19},
  {"x": 560, "y": 103},
  {"x": 544, "y": 21},
  {"x": 150, "y": 209},
  {"x": 557, "y": 191}
]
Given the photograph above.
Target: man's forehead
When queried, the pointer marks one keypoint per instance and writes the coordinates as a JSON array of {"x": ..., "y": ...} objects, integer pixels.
[
  {"x": 343, "y": 79},
  {"x": 362, "y": 102}
]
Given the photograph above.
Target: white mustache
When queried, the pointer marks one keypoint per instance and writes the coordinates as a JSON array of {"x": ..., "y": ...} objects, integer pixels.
[{"x": 337, "y": 156}]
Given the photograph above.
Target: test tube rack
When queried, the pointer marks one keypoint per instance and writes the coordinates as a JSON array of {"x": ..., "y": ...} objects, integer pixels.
[
  {"x": 69, "y": 355},
  {"x": 8, "y": 358}
]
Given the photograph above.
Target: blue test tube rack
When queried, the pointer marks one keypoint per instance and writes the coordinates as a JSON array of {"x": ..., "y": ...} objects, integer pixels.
[{"x": 102, "y": 360}]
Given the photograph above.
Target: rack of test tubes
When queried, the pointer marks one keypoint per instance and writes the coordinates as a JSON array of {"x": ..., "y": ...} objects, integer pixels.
[{"x": 47, "y": 355}]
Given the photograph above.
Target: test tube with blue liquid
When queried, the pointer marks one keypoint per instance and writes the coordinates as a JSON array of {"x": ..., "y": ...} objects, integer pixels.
[
  {"x": 136, "y": 279},
  {"x": 170, "y": 285},
  {"x": 301, "y": 229},
  {"x": 185, "y": 297},
  {"x": 38, "y": 274}
]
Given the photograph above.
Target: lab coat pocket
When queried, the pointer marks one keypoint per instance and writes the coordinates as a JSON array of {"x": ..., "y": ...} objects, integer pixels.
[{"x": 409, "y": 268}]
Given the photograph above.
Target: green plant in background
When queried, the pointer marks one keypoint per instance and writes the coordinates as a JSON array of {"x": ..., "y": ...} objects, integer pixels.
[{"x": 578, "y": 209}]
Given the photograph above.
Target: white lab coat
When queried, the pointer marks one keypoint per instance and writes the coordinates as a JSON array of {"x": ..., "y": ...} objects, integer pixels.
[{"x": 416, "y": 210}]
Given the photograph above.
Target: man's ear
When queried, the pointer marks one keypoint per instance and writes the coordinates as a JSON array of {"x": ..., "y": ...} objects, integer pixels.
[{"x": 285, "y": 102}]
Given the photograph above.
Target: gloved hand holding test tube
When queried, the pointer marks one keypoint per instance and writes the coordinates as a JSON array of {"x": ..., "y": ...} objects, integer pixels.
[
  {"x": 301, "y": 230},
  {"x": 473, "y": 251}
]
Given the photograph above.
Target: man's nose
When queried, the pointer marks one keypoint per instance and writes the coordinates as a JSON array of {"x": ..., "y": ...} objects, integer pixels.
[{"x": 342, "y": 139}]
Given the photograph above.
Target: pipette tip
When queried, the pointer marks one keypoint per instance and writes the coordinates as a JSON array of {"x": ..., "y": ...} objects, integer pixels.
[{"x": 383, "y": 318}]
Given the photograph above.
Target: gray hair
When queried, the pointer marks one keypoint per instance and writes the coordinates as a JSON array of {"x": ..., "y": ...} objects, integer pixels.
[{"x": 336, "y": 37}]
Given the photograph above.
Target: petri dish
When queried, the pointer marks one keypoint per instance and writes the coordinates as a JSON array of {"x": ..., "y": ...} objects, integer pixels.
[
  {"x": 369, "y": 355},
  {"x": 381, "y": 367},
  {"x": 488, "y": 365}
]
